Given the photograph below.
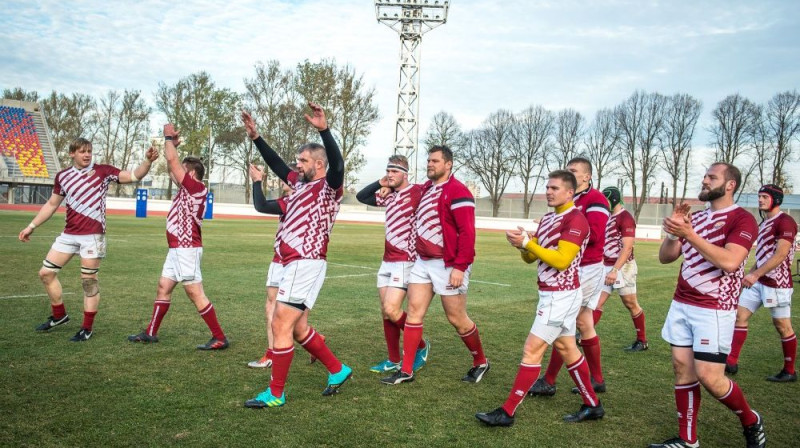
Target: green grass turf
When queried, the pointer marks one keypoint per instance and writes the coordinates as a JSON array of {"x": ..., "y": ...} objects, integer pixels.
[{"x": 108, "y": 392}]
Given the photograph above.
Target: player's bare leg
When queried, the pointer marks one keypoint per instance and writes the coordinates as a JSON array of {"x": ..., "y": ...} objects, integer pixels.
[
  {"x": 590, "y": 342},
  {"x": 197, "y": 295},
  {"x": 48, "y": 274},
  {"x": 637, "y": 316}
]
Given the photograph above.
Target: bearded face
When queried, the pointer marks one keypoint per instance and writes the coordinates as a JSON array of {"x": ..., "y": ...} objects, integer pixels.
[{"x": 709, "y": 194}]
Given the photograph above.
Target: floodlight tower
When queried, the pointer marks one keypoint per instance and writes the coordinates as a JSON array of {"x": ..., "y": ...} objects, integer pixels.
[{"x": 411, "y": 19}]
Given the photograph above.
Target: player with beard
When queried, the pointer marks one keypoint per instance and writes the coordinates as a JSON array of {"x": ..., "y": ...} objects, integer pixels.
[
  {"x": 769, "y": 283},
  {"x": 401, "y": 200},
  {"x": 302, "y": 246},
  {"x": 714, "y": 244}
]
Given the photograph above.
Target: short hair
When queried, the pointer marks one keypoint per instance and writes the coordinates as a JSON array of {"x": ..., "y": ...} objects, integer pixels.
[
  {"x": 196, "y": 165},
  {"x": 317, "y": 151},
  {"x": 581, "y": 160},
  {"x": 447, "y": 153},
  {"x": 397, "y": 159},
  {"x": 78, "y": 143},
  {"x": 731, "y": 173},
  {"x": 565, "y": 176}
]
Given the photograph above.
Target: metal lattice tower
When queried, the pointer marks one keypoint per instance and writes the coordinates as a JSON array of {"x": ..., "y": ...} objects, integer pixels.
[{"x": 411, "y": 19}]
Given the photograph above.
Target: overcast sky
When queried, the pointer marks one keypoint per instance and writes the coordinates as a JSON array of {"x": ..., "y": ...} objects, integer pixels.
[{"x": 587, "y": 54}]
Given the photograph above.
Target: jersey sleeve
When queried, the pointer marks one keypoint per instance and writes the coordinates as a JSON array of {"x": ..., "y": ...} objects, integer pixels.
[
  {"x": 627, "y": 225},
  {"x": 785, "y": 229},
  {"x": 463, "y": 210},
  {"x": 111, "y": 172},
  {"x": 575, "y": 230},
  {"x": 57, "y": 188},
  {"x": 192, "y": 185},
  {"x": 743, "y": 231}
]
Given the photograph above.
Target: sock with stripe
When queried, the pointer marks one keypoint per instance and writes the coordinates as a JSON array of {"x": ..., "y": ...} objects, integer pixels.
[
  {"x": 639, "y": 325},
  {"x": 281, "y": 361},
  {"x": 739, "y": 336},
  {"x": 316, "y": 346},
  {"x": 579, "y": 371},
  {"x": 526, "y": 376},
  {"x": 687, "y": 401},
  {"x": 401, "y": 324},
  {"x": 789, "y": 346},
  {"x": 736, "y": 402},
  {"x": 210, "y": 316},
  {"x": 591, "y": 350},
  {"x": 472, "y": 339},
  {"x": 412, "y": 335},
  {"x": 160, "y": 308}
]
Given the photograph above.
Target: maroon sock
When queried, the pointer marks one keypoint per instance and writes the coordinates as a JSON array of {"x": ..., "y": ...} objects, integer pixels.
[
  {"x": 596, "y": 315},
  {"x": 472, "y": 339},
  {"x": 392, "y": 335},
  {"x": 88, "y": 320},
  {"x": 579, "y": 371},
  {"x": 210, "y": 316},
  {"x": 411, "y": 337},
  {"x": 314, "y": 344},
  {"x": 789, "y": 352},
  {"x": 739, "y": 336},
  {"x": 591, "y": 350},
  {"x": 160, "y": 308},
  {"x": 401, "y": 324},
  {"x": 687, "y": 400},
  {"x": 58, "y": 311},
  {"x": 553, "y": 367},
  {"x": 281, "y": 360},
  {"x": 526, "y": 376},
  {"x": 639, "y": 325},
  {"x": 736, "y": 402}
]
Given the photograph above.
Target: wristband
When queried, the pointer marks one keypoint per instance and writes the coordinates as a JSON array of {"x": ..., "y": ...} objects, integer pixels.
[
  {"x": 133, "y": 176},
  {"x": 168, "y": 138},
  {"x": 614, "y": 270},
  {"x": 32, "y": 225},
  {"x": 672, "y": 237},
  {"x": 525, "y": 242}
]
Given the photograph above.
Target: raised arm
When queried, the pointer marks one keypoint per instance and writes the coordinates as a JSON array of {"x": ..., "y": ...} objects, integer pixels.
[
  {"x": 335, "y": 174},
  {"x": 367, "y": 194},
  {"x": 172, "y": 139},
  {"x": 260, "y": 202},
  {"x": 126, "y": 177},
  {"x": 272, "y": 159}
]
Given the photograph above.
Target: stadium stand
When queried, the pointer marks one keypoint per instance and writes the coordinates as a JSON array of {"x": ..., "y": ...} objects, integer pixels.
[{"x": 28, "y": 161}]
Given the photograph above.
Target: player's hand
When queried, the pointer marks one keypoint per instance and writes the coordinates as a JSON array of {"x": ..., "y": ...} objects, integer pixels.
[
  {"x": 384, "y": 191},
  {"x": 317, "y": 117},
  {"x": 456, "y": 278},
  {"x": 169, "y": 130},
  {"x": 678, "y": 226},
  {"x": 256, "y": 173},
  {"x": 611, "y": 277},
  {"x": 151, "y": 154},
  {"x": 384, "y": 181},
  {"x": 25, "y": 234},
  {"x": 749, "y": 280},
  {"x": 516, "y": 237},
  {"x": 249, "y": 125}
]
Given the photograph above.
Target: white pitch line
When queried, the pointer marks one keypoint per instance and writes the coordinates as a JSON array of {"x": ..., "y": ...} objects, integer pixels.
[
  {"x": 33, "y": 295},
  {"x": 354, "y": 275},
  {"x": 489, "y": 283},
  {"x": 353, "y": 266}
]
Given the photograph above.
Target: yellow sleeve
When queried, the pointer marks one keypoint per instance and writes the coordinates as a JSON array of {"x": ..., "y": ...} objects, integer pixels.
[
  {"x": 527, "y": 255},
  {"x": 558, "y": 258}
]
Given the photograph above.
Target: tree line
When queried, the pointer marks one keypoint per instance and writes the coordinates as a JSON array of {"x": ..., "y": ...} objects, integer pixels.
[
  {"x": 207, "y": 115},
  {"x": 646, "y": 138}
]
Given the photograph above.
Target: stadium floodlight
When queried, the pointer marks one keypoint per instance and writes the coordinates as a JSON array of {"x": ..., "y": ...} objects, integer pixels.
[{"x": 411, "y": 19}]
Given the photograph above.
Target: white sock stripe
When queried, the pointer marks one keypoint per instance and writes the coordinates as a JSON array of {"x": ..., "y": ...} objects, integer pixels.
[
  {"x": 687, "y": 386},
  {"x": 282, "y": 352},
  {"x": 790, "y": 338},
  {"x": 413, "y": 325},
  {"x": 207, "y": 309},
  {"x": 162, "y": 301},
  {"x": 636, "y": 316},
  {"x": 741, "y": 329},
  {"x": 309, "y": 337},
  {"x": 522, "y": 364},
  {"x": 577, "y": 363},
  {"x": 474, "y": 329},
  {"x": 728, "y": 393}
]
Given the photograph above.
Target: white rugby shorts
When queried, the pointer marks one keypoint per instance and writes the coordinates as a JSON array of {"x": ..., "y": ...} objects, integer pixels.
[
  {"x": 592, "y": 279},
  {"x": 395, "y": 274},
  {"x": 556, "y": 314},
  {"x": 626, "y": 279},
  {"x": 706, "y": 330},
  {"x": 88, "y": 246},
  {"x": 301, "y": 281},
  {"x": 777, "y": 300},
  {"x": 183, "y": 265},
  {"x": 433, "y": 271},
  {"x": 274, "y": 274}
]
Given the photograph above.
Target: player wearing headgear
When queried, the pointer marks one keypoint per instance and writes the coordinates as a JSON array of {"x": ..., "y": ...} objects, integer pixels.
[
  {"x": 769, "y": 282},
  {"x": 185, "y": 242},
  {"x": 620, "y": 266},
  {"x": 558, "y": 244},
  {"x": 699, "y": 325},
  {"x": 445, "y": 228},
  {"x": 594, "y": 207},
  {"x": 302, "y": 245},
  {"x": 84, "y": 185},
  {"x": 401, "y": 200}
]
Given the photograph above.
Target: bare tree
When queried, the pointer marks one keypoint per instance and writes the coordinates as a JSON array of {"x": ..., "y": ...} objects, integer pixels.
[
  {"x": 569, "y": 129},
  {"x": 532, "y": 139},
  {"x": 783, "y": 126},
  {"x": 601, "y": 143},
  {"x": 20, "y": 94},
  {"x": 444, "y": 130},
  {"x": 640, "y": 119},
  {"x": 488, "y": 155},
  {"x": 732, "y": 131},
  {"x": 680, "y": 120},
  {"x": 762, "y": 149}
]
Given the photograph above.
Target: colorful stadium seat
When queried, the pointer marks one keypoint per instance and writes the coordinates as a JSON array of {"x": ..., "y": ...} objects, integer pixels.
[{"x": 18, "y": 141}]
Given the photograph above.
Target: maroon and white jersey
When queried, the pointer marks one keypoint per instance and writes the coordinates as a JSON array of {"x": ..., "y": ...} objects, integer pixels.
[
  {"x": 307, "y": 223},
  {"x": 186, "y": 214},
  {"x": 85, "y": 192},
  {"x": 772, "y": 230},
  {"x": 569, "y": 225},
  {"x": 594, "y": 207},
  {"x": 430, "y": 242},
  {"x": 401, "y": 236},
  {"x": 702, "y": 284},
  {"x": 620, "y": 225},
  {"x": 276, "y": 258}
]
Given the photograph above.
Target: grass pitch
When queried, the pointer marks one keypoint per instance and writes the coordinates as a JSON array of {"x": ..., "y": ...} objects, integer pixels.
[{"x": 109, "y": 392}]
